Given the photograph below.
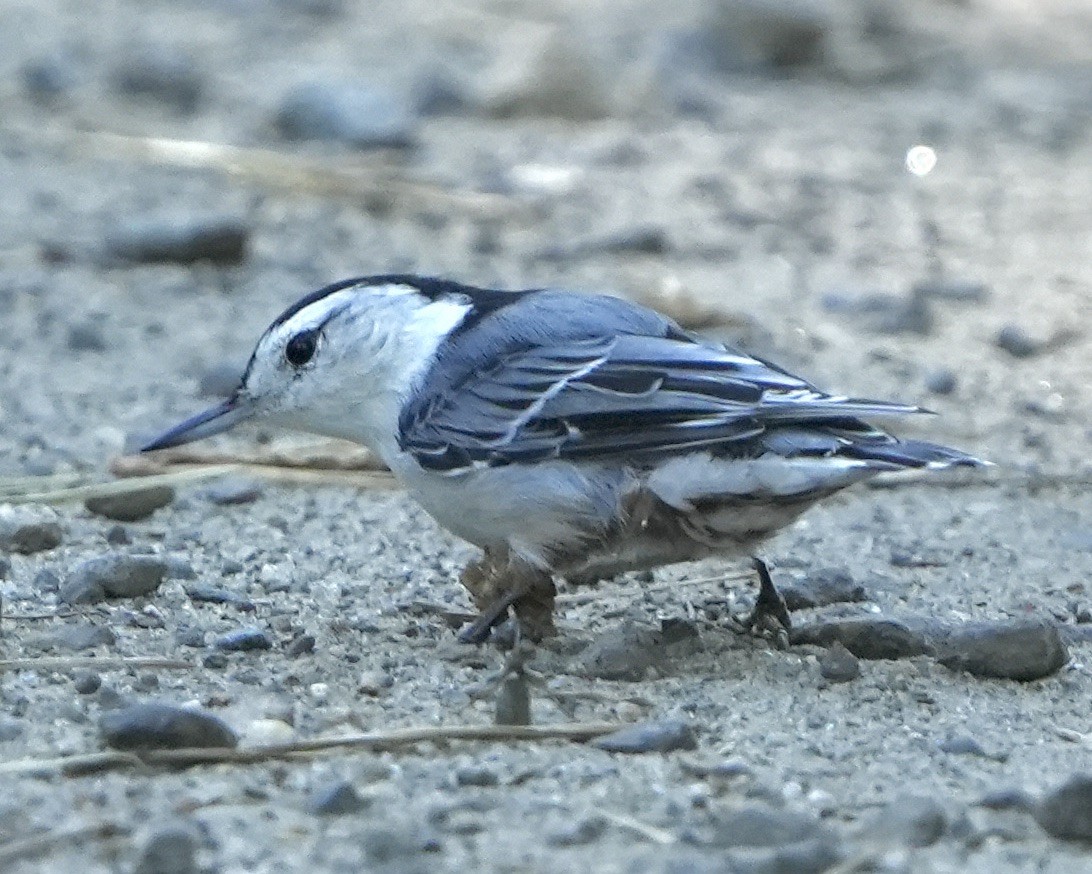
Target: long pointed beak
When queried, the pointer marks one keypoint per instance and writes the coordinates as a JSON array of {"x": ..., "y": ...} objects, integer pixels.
[{"x": 213, "y": 421}]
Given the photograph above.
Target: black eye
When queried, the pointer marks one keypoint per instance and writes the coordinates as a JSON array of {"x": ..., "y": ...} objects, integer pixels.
[{"x": 301, "y": 348}]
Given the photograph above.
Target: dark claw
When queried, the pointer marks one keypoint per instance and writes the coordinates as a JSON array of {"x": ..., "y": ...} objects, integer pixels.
[
  {"x": 477, "y": 632},
  {"x": 771, "y": 614}
]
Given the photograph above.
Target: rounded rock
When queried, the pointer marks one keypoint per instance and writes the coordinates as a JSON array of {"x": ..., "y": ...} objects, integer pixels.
[
  {"x": 131, "y": 506},
  {"x": 155, "y": 725}
]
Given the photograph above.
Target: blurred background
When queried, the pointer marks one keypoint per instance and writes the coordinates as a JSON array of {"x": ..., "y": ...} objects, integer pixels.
[{"x": 893, "y": 197}]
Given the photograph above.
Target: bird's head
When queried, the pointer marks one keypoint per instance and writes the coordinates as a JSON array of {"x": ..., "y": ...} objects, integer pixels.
[{"x": 338, "y": 362}]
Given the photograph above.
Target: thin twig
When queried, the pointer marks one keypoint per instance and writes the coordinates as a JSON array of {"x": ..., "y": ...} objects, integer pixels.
[
  {"x": 79, "y": 663},
  {"x": 378, "y": 740},
  {"x": 651, "y": 832},
  {"x": 376, "y": 187},
  {"x": 118, "y": 487},
  {"x": 327, "y": 455},
  {"x": 28, "y": 848}
]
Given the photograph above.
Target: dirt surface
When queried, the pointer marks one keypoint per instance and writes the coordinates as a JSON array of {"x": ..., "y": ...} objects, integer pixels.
[{"x": 765, "y": 204}]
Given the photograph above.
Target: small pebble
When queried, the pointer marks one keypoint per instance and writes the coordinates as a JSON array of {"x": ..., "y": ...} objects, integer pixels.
[
  {"x": 1022, "y": 651},
  {"x": 302, "y": 644},
  {"x": 118, "y": 535},
  {"x": 337, "y": 799},
  {"x": 909, "y": 820},
  {"x": 821, "y": 588},
  {"x": 941, "y": 381},
  {"x": 163, "y": 74},
  {"x": 180, "y": 568},
  {"x": 884, "y": 313},
  {"x": 244, "y": 640},
  {"x": 131, "y": 506},
  {"x": 356, "y": 114},
  {"x": 233, "y": 490},
  {"x": 170, "y": 849},
  {"x": 116, "y": 575},
  {"x": 181, "y": 240},
  {"x": 758, "y": 825},
  {"x": 1017, "y": 342},
  {"x": 649, "y": 737},
  {"x": 155, "y": 725},
  {"x": 10, "y": 729},
  {"x": 866, "y": 638},
  {"x": 585, "y": 830},
  {"x": 1009, "y": 798},
  {"x": 48, "y": 79},
  {"x": 838, "y": 665},
  {"x": 622, "y": 653},
  {"x": 87, "y": 683},
  {"x": 963, "y": 745},
  {"x": 204, "y": 593},
  {"x": 475, "y": 775},
  {"x": 76, "y": 638},
  {"x": 1066, "y": 812},
  {"x": 86, "y": 337},
  {"x": 29, "y": 528}
]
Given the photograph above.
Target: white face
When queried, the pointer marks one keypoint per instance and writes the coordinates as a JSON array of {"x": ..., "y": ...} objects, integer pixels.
[{"x": 340, "y": 366}]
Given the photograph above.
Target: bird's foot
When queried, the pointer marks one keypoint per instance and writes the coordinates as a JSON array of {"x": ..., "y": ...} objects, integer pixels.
[
  {"x": 770, "y": 617},
  {"x": 496, "y": 587}
]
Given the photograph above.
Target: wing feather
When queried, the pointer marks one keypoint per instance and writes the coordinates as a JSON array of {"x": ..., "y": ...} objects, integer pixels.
[{"x": 603, "y": 394}]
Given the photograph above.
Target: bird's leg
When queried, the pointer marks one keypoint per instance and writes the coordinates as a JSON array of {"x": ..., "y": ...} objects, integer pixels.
[
  {"x": 498, "y": 582},
  {"x": 770, "y": 617}
]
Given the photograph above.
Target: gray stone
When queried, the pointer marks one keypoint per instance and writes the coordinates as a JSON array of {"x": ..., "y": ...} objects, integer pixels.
[
  {"x": 48, "y": 79},
  {"x": 163, "y": 74},
  {"x": 183, "y": 239},
  {"x": 475, "y": 775},
  {"x": 758, "y": 825},
  {"x": 357, "y": 114},
  {"x": 87, "y": 337},
  {"x": 87, "y": 683},
  {"x": 244, "y": 640},
  {"x": 884, "y": 313},
  {"x": 1008, "y": 798},
  {"x": 301, "y": 644},
  {"x": 10, "y": 729},
  {"x": 821, "y": 588},
  {"x": 909, "y": 820},
  {"x": 169, "y": 849},
  {"x": 1017, "y": 342},
  {"x": 801, "y": 857},
  {"x": 941, "y": 381},
  {"x": 838, "y": 664},
  {"x": 866, "y": 638},
  {"x": 116, "y": 575},
  {"x": 204, "y": 593},
  {"x": 964, "y": 745},
  {"x": 1025, "y": 651},
  {"x": 748, "y": 34},
  {"x": 157, "y": 725},
  {"x": 29, "y": 528},
  {"x": 76, "y": 638},
  {"x": 1066, "y": 812},
  {"x": 661, "y": 736},
  {"x": 131, "y": 506},
  {"x": 337, "y": 799},
  {"x": 622, "y": 653},
  {"x": 232, "y": 490},
  {"x": 585, "y": 830}
]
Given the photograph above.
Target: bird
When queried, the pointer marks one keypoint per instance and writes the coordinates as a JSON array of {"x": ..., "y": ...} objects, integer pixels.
[{"x": 567, "y": 435}]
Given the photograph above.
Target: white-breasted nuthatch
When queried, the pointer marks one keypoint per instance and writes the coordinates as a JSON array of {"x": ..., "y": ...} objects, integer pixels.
[{"x": 565, "y": 434}]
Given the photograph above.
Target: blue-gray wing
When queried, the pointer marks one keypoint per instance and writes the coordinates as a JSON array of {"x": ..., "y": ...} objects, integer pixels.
[{"x": 645, "y": 390}]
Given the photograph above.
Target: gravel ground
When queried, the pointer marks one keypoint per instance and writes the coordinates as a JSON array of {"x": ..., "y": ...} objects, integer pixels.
[{"x": 744, "y": 171}]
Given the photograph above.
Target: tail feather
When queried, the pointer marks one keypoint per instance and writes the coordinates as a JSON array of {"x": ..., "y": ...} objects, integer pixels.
[{"x": 911, "y": 454}]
